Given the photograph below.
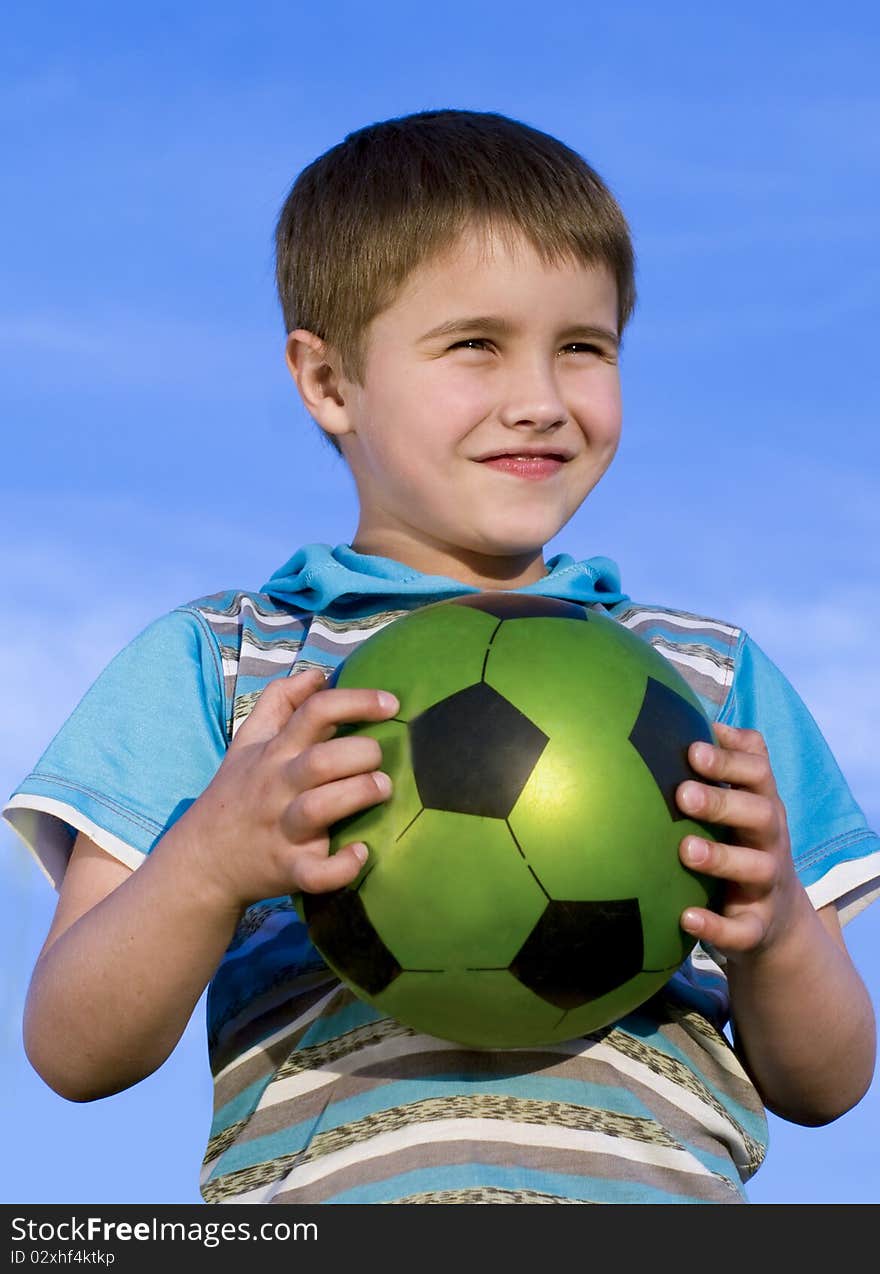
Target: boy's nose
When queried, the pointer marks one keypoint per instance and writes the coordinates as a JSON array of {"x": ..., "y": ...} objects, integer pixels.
[{"x": 532, "y": 399}]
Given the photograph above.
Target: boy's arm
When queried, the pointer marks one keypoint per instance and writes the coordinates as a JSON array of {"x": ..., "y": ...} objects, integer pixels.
[
  {"x": 129, "y": 953},
  {"x": 803, "y": 1020},
  {"x": 126, "y": 958}
]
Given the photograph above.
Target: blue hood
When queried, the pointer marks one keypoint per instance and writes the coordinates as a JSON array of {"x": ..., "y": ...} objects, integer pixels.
[{"x": 322, "y": 579}]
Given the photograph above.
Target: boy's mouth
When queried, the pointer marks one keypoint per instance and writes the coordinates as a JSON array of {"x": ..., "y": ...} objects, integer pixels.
[{"x": 525, "y": 464}]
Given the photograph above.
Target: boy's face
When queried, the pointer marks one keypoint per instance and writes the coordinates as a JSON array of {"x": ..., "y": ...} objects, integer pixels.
[{"x": 471, "y": 448}]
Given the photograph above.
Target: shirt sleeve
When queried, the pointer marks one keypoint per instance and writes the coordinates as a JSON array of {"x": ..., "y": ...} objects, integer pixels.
[
  {"x": 836, "y": 853},
  {"x": 142, "y": 744}
]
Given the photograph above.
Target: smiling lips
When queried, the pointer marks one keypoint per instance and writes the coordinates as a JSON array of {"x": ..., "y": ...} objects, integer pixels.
[{"x": 526, "y": 466}]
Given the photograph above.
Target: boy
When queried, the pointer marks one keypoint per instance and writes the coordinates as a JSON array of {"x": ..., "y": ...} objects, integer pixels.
[{"x": 454, "y": 286}]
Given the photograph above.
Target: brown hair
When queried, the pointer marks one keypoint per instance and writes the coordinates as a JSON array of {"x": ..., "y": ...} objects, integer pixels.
[{"x": 361, "y": 217}]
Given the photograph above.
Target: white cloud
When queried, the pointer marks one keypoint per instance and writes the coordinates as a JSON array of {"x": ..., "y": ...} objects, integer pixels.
[
  {"x": 827, "y": 649},
  {"x": 52, "y": 333},
  {"x": 23, "y": 98},
  {"x": 128, "y": 347},
  {"x": 85, "y": 574}
]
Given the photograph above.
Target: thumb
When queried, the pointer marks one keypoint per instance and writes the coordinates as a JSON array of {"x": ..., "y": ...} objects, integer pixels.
[{"x": 276, "y": 704}]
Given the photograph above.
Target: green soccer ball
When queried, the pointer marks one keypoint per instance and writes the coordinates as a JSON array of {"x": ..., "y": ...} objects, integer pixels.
[{"x": 523, "y": 884}]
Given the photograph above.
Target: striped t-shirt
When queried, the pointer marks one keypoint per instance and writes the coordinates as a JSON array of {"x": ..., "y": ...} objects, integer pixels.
[{"x": 317, "y": 1096}]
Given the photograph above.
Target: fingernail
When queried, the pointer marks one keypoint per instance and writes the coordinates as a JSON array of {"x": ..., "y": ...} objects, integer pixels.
[
  {"x": 696, "y": 850},
  {"x": 388, "y": 701},
  {"x": 692, "y": 921},
  {"x": 691, "y": 795},
  {"x": 383, "y": 782},
  {"x": 702, "y": 753},
  {"x": 360, "y": 852}
]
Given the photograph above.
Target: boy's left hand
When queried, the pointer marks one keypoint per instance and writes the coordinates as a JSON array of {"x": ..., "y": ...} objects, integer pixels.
[{"x": 763, "y": 890}]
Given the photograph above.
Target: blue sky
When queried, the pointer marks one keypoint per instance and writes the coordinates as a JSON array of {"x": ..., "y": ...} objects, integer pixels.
[{"x": 146, "y": 153}]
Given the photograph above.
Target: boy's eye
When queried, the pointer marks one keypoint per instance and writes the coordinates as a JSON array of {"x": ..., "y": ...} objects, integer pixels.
[{"x": 478, "y": 342}]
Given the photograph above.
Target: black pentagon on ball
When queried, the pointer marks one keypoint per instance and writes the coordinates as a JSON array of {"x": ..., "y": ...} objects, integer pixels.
[
  {"x": 343, "y": 932},
  {"x": 665, "y": 727},
  {"x": 509, "y": 605},
  {"x": 579, "y": 951},
  {"x": 473, "y": 752}
]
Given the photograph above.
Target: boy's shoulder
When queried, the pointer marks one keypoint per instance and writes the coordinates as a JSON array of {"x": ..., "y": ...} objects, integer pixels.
[
  {"x": 259, "y": 637},
  {"x": 650, "y": 619},
  {"x": 239, "y": 617},
  {"x": 234, "y": 605},
  {"x": 702, "y": 648},
  {"x": 238, "y": 606}
]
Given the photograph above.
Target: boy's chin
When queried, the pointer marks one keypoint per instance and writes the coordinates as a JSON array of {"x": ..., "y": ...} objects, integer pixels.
[
  {"x": 506, "y": 556},
  {"x": 522, "y": 542}
]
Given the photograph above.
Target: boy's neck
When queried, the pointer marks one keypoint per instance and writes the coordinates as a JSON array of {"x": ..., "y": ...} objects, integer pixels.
[{"x": 474, "y": 569}]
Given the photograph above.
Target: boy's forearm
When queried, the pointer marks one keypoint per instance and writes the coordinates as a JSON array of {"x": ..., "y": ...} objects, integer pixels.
[
  {"x": 804, "y": 1024},
  {"x": 111, "y": 997}
]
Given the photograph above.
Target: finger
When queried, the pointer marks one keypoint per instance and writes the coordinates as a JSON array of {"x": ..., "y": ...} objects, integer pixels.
[
  {"x": 731, "y": 763},
  {"x": 758, "y": 817},
  {"x": 317, "y": 872},
  {"x": 276, "y": 705},
  {"x": 724, "y": 764},
  {"x": 739, "y": 864},
  {"x": 318, "y": 717},
  {"x": 744, "y": 739},
  {"x": 337, "y": 758},
  {"x": 729, "y": 934},
  {"x": 311, "y": 813}
]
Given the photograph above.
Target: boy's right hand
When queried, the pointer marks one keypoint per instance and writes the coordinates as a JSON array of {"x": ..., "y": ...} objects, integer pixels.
[{"x": 260, "y": 828}]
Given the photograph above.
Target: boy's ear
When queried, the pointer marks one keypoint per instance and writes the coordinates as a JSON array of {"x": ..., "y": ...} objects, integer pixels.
[{"x": 315, "y": 369}]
